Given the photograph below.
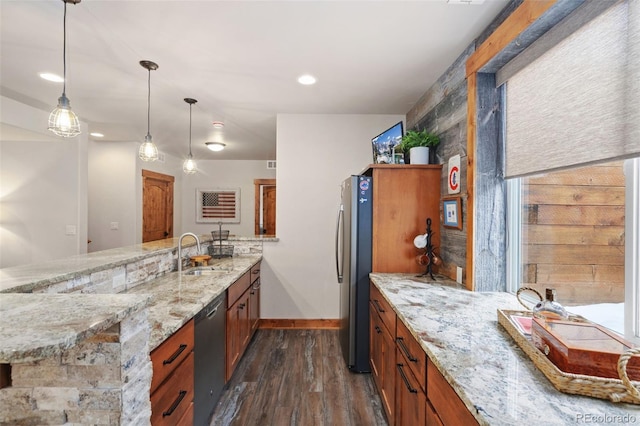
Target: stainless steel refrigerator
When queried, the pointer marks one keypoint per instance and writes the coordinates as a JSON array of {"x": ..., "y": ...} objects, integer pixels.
[{"x": 353, "y": 265}]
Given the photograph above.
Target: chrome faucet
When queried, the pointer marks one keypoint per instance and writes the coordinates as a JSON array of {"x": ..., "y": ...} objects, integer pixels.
[{"x": 180, "y": 247}]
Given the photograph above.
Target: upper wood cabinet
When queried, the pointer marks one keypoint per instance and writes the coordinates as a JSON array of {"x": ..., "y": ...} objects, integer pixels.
[{"x": 403, "y": 198}]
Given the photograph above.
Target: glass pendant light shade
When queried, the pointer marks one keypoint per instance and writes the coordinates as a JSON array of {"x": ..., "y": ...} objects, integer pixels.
[
  {"x": 148, "y": 150},
  {"x": 189, "y": 166},
  {"x": 62, "y": 121}
]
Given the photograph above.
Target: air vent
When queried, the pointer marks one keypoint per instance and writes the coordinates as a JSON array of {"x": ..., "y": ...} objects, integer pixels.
[{"x": 271, "y": 164}]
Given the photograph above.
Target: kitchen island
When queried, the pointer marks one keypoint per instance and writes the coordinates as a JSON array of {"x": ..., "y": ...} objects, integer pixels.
[
  {"x": 76, "y": 333},
  {"x": 495, "y": 380}
]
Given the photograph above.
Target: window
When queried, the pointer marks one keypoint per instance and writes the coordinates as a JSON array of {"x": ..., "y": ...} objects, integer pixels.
[
  {"x": 577, "y": 231},
  {"x": 218, "y": 205}
]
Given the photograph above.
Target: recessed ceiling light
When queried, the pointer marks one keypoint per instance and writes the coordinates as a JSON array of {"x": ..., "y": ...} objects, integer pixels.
[
  {"x": 51, "y": 77},
  {"x": 215, "y": 146},
  {"x": 96, "y": 135},
  {"x": 218, "y": 124},
  {"x": 307, "y": 79}
]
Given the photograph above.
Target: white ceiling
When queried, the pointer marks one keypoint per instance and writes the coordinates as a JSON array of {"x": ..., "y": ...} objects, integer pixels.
[{"x": 239, "y": 59}]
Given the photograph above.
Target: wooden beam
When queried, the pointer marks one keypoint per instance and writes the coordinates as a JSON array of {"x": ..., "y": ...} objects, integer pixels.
[
  {"x": 471, "y": 150},
  {"x": 517, "y": 22}
]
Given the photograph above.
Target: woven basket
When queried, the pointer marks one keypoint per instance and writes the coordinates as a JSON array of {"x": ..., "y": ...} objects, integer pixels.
[{"x": 616, "y": 390}]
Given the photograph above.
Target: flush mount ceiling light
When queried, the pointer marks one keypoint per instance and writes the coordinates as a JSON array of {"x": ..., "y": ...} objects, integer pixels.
[
  {"x": 97, "y": 135},
  {"x": 307, "y": 80},
  {"x": 148, "y": 150},
  {"x": 189, "y": 166},
  {"x": 51, "y": 77},
  {"x": 218, "y": 124},
  {"x": 62, "y": 121},
  {"x": 215, "y": 146}
]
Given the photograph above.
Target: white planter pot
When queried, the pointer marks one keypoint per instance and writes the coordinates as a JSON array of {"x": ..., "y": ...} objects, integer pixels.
[{"x": 419, "y": 155}]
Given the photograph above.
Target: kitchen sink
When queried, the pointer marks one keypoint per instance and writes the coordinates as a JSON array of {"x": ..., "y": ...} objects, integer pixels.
[{"x": 207, "y": 270}]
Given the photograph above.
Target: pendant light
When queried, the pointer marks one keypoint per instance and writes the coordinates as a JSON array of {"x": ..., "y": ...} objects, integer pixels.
[
  {"x": 62, "y": 121},
  {"x": 148, "y": 150},
  {"x": 189, "y": 166}
]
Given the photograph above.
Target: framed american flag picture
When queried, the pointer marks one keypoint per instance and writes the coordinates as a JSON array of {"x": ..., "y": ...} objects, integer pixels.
[{"x": 218, "y": 205}]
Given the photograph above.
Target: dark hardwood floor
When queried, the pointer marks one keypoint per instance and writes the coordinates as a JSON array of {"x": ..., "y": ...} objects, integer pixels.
[{"x": 297, "y": 377}]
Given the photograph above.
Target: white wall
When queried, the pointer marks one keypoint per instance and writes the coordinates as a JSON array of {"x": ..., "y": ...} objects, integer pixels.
[
  {"x": 216, "y": 174},
  {"x": 112, "y": 195},
  {"x": 315, "y": 154},
  {"x": 42, "y": 188}
]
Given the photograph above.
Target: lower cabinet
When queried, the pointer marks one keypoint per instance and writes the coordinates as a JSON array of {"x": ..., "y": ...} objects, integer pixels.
[
  {"x": 411, "y": 399},
  {"x": 172, "y": 380},
  {"x": 411, "y": 389},
  {"x": 243, "y": 313}
]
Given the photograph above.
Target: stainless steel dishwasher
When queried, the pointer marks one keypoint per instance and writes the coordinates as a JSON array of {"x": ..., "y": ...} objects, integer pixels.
[{"x": 209, "y": 360}]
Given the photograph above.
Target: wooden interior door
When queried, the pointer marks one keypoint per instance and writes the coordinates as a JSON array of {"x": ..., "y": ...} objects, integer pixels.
[
  {"x": 265, "y": 204},
  {"x": 269, "y": 210},
  {"x": 157, "y": 206}
]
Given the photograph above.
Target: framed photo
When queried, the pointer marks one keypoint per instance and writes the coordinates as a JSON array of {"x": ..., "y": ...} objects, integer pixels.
[{"x": 452, "y": 212}]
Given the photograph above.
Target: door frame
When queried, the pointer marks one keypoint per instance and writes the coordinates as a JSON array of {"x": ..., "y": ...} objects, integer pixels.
[{"x": 258, "y": 184}]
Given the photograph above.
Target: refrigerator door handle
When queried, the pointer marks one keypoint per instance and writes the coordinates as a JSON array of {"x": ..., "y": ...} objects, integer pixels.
[{"x": 339, "y": 222}]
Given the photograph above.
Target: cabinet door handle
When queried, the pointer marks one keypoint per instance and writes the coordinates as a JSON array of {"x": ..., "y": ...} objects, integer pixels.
[
  {"x": 175, "y": 355},
  {"x": 378, "y": 307},
  {"x": 404, "y": 348},
  {"x": 405, "y": 380},
  {"x": 241, "y": 306},
  {"x": 257, "y": 271},
  {"x": 252, "y": 292},
  {"x": 378, "y": 330},
  {"x": 175, "y": 404}
]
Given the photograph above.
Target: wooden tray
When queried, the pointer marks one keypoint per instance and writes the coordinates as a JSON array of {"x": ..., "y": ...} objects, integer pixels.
[{"x": 616, "y": 390}]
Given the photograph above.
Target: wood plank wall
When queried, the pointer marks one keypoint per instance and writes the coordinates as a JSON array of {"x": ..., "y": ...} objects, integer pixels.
[{"x": 573, "y": 237}]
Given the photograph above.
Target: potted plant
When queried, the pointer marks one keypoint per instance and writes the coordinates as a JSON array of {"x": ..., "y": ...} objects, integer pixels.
[{"x": 416, "y": 144}]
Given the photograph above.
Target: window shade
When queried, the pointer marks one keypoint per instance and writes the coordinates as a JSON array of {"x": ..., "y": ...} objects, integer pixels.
[{"x": 569, "y": 106}]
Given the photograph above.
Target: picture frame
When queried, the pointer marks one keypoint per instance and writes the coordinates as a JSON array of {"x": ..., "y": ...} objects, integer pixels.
[{"x": 452, "y": 212}]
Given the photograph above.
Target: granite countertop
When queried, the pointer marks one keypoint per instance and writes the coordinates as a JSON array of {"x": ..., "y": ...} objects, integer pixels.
[
  {"x": 37, "y": 326},
  {"x": 26, "y": 278},
  {"x": 496, "y": 380},
  {"x": 175, "y": 299}
]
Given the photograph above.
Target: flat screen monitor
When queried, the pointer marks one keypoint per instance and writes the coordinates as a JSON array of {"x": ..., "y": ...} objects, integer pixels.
[{"x": 383, "y": 145}]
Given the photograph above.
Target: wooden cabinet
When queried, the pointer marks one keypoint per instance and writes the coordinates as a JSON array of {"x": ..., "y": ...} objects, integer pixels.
[
  {"x": 254, "y": 298},
  {"x": 382, "y": 352},
  {"x": 243, "y": 314},
  {"x": 403, "y": 198},
  {"x": 411, "y": 399},
  {"x": 172, "y": 380},
  {"x": 445, "y": 401},
  {"x": 412, "y": 390}
]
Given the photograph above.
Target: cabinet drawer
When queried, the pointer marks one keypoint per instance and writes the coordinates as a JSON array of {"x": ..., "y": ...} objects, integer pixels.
[
  {"x": 445, "y": 400},
  {"x": 383, "y": 308},
  {"x": 238, "y": 288},
  {"x": 410, "y": 399},
  {"x": 173, "y": 397},
  {"x": 413, "y": 354},
  {"x": 255, "y": 272},
  {"x": 166, "y": 357}
]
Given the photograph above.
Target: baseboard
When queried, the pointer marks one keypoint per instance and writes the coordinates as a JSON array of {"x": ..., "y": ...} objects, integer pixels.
[{"x": 299, "y": 323}]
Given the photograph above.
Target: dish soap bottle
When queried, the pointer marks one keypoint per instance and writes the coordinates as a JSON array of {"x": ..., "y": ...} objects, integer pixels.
[{"x": 549, "y": 308}]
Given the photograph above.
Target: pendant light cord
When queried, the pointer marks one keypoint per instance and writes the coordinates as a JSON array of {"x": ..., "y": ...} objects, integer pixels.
[
  {"x": 64, "y": 51},
  {"x": 149, "y": 103},
  {"x": 190, "y": 106}
]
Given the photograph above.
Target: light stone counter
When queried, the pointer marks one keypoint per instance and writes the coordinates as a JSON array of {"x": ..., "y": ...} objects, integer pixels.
[
  {"x": 495, "y": 379},
  {"x": 176, "y": 299},
  {"x": 38, "y": 326}
]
